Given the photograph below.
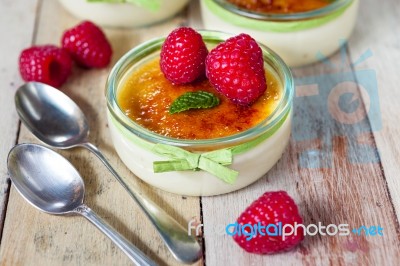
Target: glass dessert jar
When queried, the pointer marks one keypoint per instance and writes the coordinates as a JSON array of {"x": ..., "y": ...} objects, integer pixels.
[
  {"x": 198, "y": 167},
  {"x": 117, "y": 14},
  {"x": 297, "y": 37}
]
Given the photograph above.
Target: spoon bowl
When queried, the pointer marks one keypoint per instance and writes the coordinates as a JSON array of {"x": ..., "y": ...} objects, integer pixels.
[
  {"x": 51, "y": 115},
  {"x": 59, "y": 189},
  {"x": 51, "y": 184}
]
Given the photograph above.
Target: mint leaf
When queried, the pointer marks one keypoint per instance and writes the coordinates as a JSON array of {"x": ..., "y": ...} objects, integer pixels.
[{"x": 193, "y": 100}]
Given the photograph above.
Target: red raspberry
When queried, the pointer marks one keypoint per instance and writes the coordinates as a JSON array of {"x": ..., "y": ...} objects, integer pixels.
[
  {"x": 236, "y": 69},
  {"x": 271, "y": 208},
  {"x": 87, "y": 45},
  {"x": 47, "y": 63},
  {"x": 183, "y": 54}
]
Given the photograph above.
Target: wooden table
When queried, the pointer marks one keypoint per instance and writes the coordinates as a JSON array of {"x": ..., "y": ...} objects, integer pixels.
[{"x": 335, "y": 178}]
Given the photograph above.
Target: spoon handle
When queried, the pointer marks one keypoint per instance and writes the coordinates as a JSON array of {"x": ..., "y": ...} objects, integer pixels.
[
  {"x": 183, "y": 247},
  {"x": 129, "y": 249}
]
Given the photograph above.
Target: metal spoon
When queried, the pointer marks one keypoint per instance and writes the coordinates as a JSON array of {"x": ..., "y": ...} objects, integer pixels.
[
  {"x": 51, "y": 184},
  {"x": 58, "y": 122}
]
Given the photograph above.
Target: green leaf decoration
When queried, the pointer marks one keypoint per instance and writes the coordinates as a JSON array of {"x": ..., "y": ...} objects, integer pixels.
[{"x": 193, "y": 100}]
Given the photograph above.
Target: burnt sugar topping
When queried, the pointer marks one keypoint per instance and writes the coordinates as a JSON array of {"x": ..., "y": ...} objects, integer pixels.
[
  {"x": 281, "y": 6},
  {"x": 146, "y": 95}
]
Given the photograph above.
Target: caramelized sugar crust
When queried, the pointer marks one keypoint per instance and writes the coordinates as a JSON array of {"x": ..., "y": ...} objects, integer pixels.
[
  {"x": 146, "y": 95},
  {"x": 281, "y": 6}
]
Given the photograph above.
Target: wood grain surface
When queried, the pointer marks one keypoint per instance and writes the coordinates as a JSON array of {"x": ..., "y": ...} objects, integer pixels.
[
  {"x": 336, "y": 172},
  {"x": 19, "y": 36},
  {"x": 380, "y": 35}
]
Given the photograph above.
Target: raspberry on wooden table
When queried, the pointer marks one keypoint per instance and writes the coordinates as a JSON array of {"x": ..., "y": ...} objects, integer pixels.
[
  {"x": 46, "y": 63},
  {"x": 271, "y": 208},
  {"x": 87, "y": 45},
  {"x": 183, "y": 54}
]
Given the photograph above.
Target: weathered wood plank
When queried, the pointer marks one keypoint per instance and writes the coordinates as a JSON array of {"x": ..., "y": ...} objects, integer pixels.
[
  {"x": 34, "y": 238},
  {"x": 350, "y": 188},
  {"x": 17, "y": 21},
  {"x": 381, "y": 35}
]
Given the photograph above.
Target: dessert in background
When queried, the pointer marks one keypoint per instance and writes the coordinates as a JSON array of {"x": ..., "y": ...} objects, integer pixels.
[
  {"x": 297, "y": 30},
  {"x": 281, "y": 6},
  {"x": 124, "y": 13}
]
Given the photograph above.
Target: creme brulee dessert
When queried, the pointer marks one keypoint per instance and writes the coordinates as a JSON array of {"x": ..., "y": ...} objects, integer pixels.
[
  {"x": 297, "y": 30},
  {"x": 146, "y": 95},
  {"x": 204, "y": 150}
]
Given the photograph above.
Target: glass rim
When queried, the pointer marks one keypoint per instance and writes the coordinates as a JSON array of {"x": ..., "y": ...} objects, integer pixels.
[
  {"x": 280, "y": 112},
  {"x": 329, "y": 9}
]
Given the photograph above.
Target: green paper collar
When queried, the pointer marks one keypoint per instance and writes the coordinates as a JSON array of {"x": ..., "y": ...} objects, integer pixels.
[
  {"x": 272, "y": 26},
  {"x": 214, "y": 162},
  {"x": 153, "y": 5}
]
